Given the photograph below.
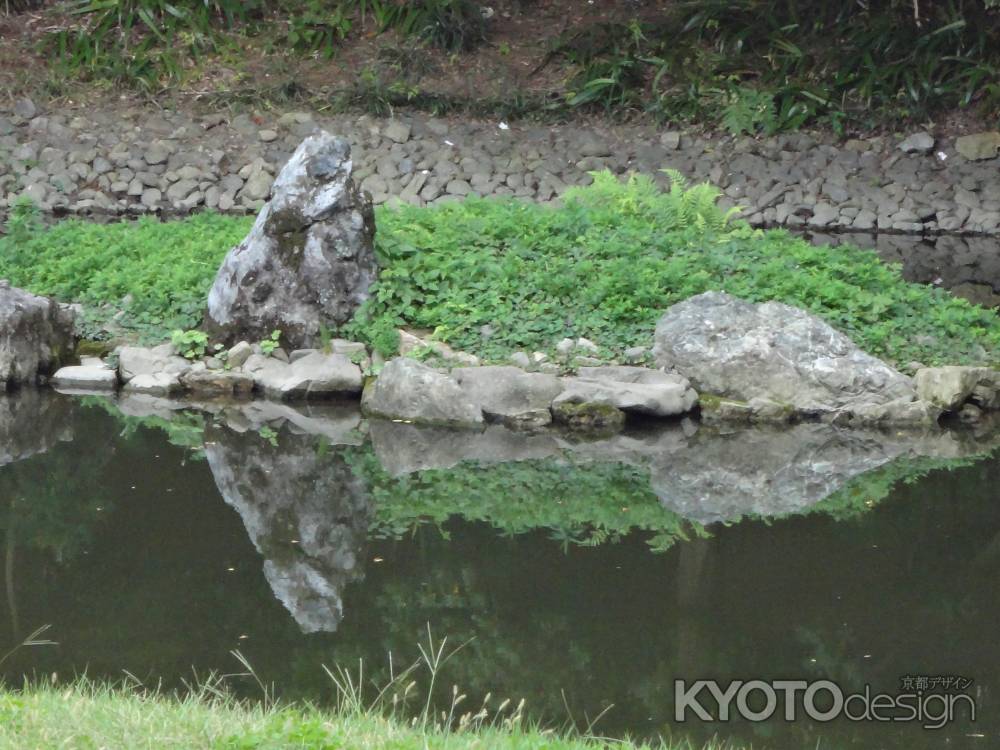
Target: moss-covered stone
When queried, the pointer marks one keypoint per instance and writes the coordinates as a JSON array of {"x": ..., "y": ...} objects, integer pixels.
[{"x": 589, "y": 416}]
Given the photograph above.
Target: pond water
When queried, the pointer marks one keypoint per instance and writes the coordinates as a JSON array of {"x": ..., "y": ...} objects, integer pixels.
[{"x": 582, "y": 577}]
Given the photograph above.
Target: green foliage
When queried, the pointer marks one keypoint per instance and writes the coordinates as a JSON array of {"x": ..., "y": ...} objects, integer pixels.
[
  {"x": 608, "y": 263},
  {"x": 157, "y": 275},
  {"x": 772, "y": 64},
  {"x": 604, "y": 266},
  {"x": 318, "y": 28},
  {"x": 272, "y": 342},
  {"x": 24, "y": 220},
  {"x": 139, "y": 41},
  {"x": 190, "y": 344},
  {"x": 450, "y": 24}
]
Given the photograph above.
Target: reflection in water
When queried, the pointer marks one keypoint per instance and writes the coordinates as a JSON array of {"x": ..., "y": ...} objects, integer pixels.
[
  {"x": 31, "y": 422},
  {"x": 124, "y": 544},
  {"x": 305, "y": 511},
  {"x": 968, "y": 266}
]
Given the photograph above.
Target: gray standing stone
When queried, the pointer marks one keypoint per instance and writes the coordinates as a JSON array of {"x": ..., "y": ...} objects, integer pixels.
[{"x": 309, "y": 259}]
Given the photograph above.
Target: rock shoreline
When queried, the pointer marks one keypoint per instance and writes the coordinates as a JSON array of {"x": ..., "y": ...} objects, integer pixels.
[
  {"x": 137, "y": 162},
  {"x": 596, "y": 398}
]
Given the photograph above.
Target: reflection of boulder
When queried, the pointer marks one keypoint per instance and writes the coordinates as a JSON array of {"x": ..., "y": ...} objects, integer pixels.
[
  {"x": 722, "y": 476},
  {"x": 32, "y": 422},
  {"x": 305, "y": 511},
  {"x": 404, "y": 448}
]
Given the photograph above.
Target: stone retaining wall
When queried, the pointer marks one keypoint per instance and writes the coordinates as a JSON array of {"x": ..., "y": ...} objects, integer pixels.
[{"x": 140, "y": 161}]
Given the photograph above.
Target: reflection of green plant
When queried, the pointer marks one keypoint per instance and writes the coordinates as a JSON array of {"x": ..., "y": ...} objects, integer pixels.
[
  {"x": 864, "y": 492},
  {"x": 584, "y": 504},
  {"x": 270, "y": 344},
  {"x": 190, "y": 344}
]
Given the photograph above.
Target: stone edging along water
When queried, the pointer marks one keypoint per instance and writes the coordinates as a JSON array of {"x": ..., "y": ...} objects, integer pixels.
[
  {"x": 138, "y": 161},
  {"x": 574, "y": 391}
]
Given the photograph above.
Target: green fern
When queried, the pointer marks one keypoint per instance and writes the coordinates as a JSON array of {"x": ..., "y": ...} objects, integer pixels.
[{"x": 683, "y": 206}]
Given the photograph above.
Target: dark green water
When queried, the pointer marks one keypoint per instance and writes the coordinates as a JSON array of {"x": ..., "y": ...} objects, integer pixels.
[{"x": 579, "y": 576}]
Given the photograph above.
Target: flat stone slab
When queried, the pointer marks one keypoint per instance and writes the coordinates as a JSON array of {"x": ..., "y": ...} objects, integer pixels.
[
  {"x": 510, "y": 395},
  {"x": 312, "y": 375},
  {"x": 155, "y": 384},
  {"x": 410, "y": 391},
  {"x": 217, "y": 383},
  {"x": 87, "y": 378},
  {"x": 639, "y": 390}
]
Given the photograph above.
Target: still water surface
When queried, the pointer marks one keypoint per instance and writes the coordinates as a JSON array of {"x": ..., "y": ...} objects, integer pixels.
[{"x": 580, "y": 576}]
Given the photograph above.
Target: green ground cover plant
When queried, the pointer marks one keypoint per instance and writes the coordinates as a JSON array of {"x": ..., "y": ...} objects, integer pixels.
[
  {"x": 494, "y": 276},
  {"x": 113, "y": 717}
]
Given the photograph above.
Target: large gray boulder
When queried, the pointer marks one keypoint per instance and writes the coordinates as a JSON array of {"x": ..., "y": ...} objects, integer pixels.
[
  {"x": 309, "y": 259},
  {"x": 410, "y": 391},
  {"x": 734, "y": 349},
  {"x": 36, "y": 336}
]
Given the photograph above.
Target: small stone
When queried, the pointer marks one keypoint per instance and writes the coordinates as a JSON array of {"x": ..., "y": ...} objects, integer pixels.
[
  {"x": 258, "y": 186},
  {"x": 155, "y": 384},
  {"x": 520, "y": 359},
  {"x": 397, "y": 132},
  {"x": 918, "y": 143},
  {"x": 151, "y": 198},
  {"x": 25, "y": 108},
  {"x": 636, "y": 354},
  {"x": 979, "y": 146},
  {"x": 267, "y": 136},
  {"x": 671, "y": 140},
  {"x": 587, "y": 345},
  {"x": 239, "y": 354},
  {"x": 565, "y": 347},
  {"x": 157, "y": 153}
]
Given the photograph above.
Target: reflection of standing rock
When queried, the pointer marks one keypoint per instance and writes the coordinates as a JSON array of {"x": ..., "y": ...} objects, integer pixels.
[
  {"x": 305, "y": 511},
  {"x": 32, "y": 422}
]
